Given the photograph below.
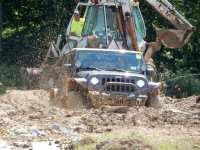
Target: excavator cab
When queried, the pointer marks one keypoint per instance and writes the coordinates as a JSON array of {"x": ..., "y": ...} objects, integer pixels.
[
  {"x": 107, "y": 23},
  {"x": 101, "y": 22}
]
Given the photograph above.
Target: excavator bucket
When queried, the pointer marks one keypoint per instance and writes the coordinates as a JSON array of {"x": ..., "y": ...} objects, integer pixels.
[{"x": 172, "y": 38}]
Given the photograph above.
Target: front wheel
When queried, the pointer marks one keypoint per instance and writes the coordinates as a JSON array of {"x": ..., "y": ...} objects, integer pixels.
[{"x": 155, "y": 101}]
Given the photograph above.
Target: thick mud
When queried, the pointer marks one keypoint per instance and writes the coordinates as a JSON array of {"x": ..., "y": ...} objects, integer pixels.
[{"x": 27, "y": 121}]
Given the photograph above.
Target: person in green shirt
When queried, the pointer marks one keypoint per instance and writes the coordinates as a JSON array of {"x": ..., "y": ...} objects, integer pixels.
[{"x": 77, "y": 24}]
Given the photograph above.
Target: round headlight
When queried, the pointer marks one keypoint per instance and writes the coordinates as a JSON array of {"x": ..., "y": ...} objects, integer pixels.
[
  {"x": 94, "y": 80},
  {"x": 140, "y": 83}
]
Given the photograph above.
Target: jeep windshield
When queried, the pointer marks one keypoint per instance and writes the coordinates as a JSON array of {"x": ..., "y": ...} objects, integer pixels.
[{"x": 109, "y": 60}]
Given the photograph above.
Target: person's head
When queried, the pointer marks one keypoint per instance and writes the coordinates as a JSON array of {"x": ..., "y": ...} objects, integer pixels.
[{"x": 76, "y": 15}]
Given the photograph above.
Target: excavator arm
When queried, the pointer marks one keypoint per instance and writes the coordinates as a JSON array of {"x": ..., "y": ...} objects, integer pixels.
[{"x": 172, "y": 38}]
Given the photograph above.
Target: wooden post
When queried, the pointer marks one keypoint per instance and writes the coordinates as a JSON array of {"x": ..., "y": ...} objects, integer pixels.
[
  {"x": 119, "y": 22},
  {"x": 131, "y": 29}
]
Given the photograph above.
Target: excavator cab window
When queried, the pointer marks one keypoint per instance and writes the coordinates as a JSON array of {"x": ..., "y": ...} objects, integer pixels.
[
  {"x": 139, "y": 24},
  {"x": 112, "y": 28},
  {"x": 89, "y": 21},
  {"x": 101, "y": 22},
  {"x": 95, "y": 23}
]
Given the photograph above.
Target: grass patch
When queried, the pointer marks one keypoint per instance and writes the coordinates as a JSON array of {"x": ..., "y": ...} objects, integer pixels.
[
  {"x": 183, "y": 144},
  {"x": 98, "y": 139},
  {"x": 141, "y": 137}
]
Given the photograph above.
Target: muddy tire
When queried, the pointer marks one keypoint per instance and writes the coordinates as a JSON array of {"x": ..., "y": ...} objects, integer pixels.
[
  {"x": 155, "y": 101},
  {"x": 75, "y": 100}
]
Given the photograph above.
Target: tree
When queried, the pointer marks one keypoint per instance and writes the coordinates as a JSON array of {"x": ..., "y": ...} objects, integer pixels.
[
  {"x": 1, "y": 47},
  {"x": 29, "y": 27}
]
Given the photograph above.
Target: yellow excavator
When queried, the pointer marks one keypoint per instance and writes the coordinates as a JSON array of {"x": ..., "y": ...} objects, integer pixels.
[{"x": 112, "y": 25}]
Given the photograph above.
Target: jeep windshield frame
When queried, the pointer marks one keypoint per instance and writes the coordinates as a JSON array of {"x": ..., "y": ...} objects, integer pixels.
[{"x": 109, "y": 60}]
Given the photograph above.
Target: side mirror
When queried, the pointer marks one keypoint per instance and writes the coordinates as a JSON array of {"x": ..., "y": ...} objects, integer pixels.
[
  {"x": 143, "y": 67},
  {"x": 150, "y": 71}
]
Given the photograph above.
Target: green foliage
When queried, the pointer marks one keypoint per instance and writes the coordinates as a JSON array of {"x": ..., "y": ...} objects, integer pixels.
[
  {"x": 9, "y": 78},
  {"x": 181, "y": 85},
  {"x": 29, "y": 26}
]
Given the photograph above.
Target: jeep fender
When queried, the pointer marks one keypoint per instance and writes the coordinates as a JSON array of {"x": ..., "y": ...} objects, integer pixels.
[
  {"x": 75, "y": 84},
  {"x": 154, "y": 87}
]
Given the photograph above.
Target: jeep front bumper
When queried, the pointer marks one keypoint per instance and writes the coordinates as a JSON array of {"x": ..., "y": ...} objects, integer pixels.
[{"x": 117, "y": 98}]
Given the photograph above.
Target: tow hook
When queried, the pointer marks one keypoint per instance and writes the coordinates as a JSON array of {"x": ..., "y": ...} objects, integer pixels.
[{"x": 138, "y": 101}]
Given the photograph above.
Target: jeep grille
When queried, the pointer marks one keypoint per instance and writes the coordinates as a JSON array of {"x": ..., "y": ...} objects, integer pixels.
[{"x": 118, "y": 88}]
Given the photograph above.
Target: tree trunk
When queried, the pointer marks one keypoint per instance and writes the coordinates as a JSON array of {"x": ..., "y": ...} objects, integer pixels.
[{"x": 1, "y": 47}]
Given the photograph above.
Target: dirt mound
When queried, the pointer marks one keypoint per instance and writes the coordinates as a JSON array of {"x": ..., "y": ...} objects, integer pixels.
[
  {"x": 124, "y": 144},
  {"x": 23, "y": 102},
  {"x": 176, "y": 111}
]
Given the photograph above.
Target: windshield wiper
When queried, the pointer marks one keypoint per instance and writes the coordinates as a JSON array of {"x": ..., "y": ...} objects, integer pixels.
[
  {"x": 120, "y": 70},
  {"x": 90, "y": 68}
]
